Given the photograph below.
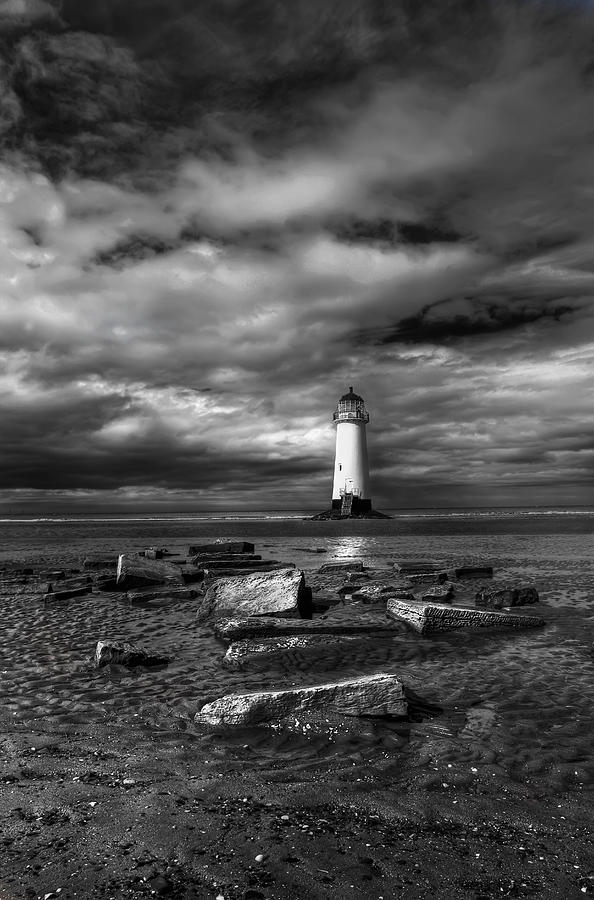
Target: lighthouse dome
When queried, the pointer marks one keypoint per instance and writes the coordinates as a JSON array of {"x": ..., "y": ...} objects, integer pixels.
[
  {"x": 351, "y": 408},
  {"x": 351, "y": 396}
]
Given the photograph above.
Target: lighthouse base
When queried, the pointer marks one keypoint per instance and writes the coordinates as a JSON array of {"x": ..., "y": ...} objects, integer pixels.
[
  {"x": 358, "y": 509},
  {"x": 358, "y": 506}
]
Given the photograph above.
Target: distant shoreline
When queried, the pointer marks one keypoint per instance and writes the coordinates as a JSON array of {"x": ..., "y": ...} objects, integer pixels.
[{"x": 290, "y": 515}]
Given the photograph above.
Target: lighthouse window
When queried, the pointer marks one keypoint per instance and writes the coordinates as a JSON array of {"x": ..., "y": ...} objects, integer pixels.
[{"x": 340, "y": 467}]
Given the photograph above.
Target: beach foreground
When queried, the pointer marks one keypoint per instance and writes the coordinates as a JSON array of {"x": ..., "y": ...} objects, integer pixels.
[{"x": 110, "y": 790}]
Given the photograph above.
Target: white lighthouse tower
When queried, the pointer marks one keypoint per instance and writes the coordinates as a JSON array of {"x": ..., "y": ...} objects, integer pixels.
[{"x": 350, "y": 491}]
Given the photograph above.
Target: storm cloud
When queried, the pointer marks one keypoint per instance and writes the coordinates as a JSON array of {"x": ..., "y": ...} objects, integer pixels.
[{"x": 215, "y": 216}]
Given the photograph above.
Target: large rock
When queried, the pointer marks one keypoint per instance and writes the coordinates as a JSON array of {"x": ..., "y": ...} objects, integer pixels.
[
  {"x": 431, "y": 617},
  {"x": 280, "y": 593},
  {"x": 136, "y": 571},
  {"x": 353, "y": 619},
  {"x": 125, "y": 654},
  {"x": 371, "y": 695},
  {"x": 221, "y": 547},
  {"x": 498, "y": 597},
  {"x": 242, "y": 652}
]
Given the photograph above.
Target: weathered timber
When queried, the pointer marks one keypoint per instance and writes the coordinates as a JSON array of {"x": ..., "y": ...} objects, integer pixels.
[
  {"x": 499, "y": 597},
  {"x": 136, "y": 571},
  {"x": 280, "y": 593},
  {"x": 241, "y": 653},
  {"x": 221, "y": 547},
  {"x": 370, "y": 695},
  {"x": 125, "y": 654},
  {"x": 145, "y": 595},
  {"x": 351, "y": 623},
  {"x": 52, "y": 595},
  {"x": 348, "y": 565},
  {"x": 432, "y": 617}
]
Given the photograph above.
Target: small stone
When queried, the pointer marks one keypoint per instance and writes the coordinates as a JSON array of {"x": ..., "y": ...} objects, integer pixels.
[
  {"x": 260, "y": 858},
  {"x": 125, "y": 654}
]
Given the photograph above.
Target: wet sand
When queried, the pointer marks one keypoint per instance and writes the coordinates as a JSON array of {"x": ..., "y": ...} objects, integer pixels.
[{"x": 107, "y": 789}]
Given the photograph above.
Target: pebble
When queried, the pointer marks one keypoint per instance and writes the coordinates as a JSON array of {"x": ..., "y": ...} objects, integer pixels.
[{"x": 259, "y": 857}]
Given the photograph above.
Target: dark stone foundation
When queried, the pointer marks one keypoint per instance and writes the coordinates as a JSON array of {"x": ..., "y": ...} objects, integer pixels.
[{"x": 360, "y": 509}]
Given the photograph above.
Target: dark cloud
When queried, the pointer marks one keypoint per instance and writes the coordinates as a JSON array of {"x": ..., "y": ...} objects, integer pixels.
[
  {"x": 270, "y": 201},
  {"x": 447, "y": 321}
]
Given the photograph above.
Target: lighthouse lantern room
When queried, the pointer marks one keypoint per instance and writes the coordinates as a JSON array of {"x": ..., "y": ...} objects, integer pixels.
[{"x": 350, "y": 491}]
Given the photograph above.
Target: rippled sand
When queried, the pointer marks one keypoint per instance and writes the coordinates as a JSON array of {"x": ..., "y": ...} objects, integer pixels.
[{"x": 518, "y": 703}]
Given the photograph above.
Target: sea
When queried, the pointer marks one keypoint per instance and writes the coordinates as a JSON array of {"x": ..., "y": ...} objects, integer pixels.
[{"x": 512, "y": 704}]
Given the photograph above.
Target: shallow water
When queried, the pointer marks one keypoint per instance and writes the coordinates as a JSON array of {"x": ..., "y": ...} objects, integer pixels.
[{"x": 519, "y": 704}]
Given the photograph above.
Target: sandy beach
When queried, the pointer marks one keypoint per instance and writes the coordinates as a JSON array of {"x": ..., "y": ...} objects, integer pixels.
[{"x": 110, "y": 790}]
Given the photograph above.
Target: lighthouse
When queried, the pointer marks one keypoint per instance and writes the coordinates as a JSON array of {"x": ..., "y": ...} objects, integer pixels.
[{"x": 350, "y": 491}]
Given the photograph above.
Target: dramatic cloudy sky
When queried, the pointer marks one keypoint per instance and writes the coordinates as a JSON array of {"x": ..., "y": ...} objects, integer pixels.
[{"x": 215, "y": 215}]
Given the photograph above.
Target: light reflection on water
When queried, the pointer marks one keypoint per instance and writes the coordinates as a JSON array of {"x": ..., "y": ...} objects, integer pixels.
[{"x": 520, "y": 702}]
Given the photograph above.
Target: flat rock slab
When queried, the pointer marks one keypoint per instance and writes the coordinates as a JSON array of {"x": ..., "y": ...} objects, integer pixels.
[
  {"x": 244, "y": 652},
  {"x": 418, "y": 566},
  {"x": 221, "y": 547},
  {"x": 99, "y": 561},
  {"x": 431, "y": 617},
  {"x": 439, "y": 593},
  {"x": 375, "y": 590},
  {"x": 136, "y": 571},
  {"x": 203, "y": 559},
  {"x": 145, "y": 595},
  {"x": 278, "y": 593},
  {"x": 349, "y": 623},
  {"x": 125, "y": 654},
  {"x": 235, "y": 562},
  {"x": 499, "y": 597},
  {"x": 371, "y": 695},
  {"x": 231, "y": 571},
  {"x": 348, "y": 565},
  {"x": 427, "y": 577}
]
